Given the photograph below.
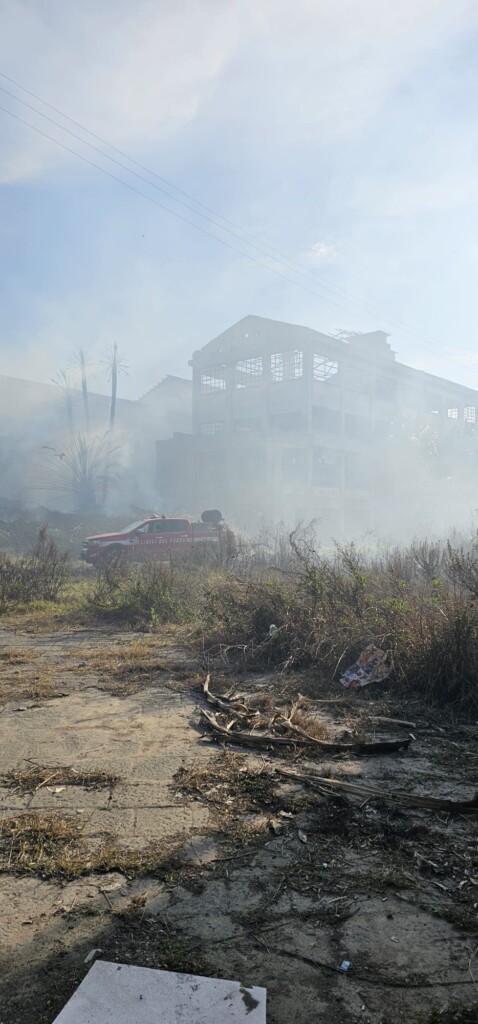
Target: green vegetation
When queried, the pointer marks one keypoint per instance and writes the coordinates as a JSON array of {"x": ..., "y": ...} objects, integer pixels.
[{"x": 419, "y": 604}]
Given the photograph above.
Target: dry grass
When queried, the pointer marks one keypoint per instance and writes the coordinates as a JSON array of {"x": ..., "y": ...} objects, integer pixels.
[
  {"x": 311, "y": 723},
  {"x": 138, "y": 656},
  {"x": 26, "y": 684},
  {"x": 53, "y": 846},
  {"x": 231, "y": 787},
  {"x": 29, "y": 780},
  {"x": 17, "y": 656},
  {"x": 123, "y": 668},
  {"x": 41, "y": 683},
  {"x": 158, "y": 857},
  {"x": 46, "y": 845}
]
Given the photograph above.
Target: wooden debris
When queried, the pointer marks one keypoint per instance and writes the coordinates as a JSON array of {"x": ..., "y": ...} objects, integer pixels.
[
  {"x": 225, "y": 704},
  {"x": 242, "y": 728},
  {"x": 326, "y": 785},
  {"x": 381, "y": 720},
  {"x": 247, "y": 739}
]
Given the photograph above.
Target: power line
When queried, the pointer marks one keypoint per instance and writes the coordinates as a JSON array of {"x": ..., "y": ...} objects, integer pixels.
[
  {"x": 162, "y": 206},
  {"x": 361, "y": 307},
  {"x": 261, "y": 248}
]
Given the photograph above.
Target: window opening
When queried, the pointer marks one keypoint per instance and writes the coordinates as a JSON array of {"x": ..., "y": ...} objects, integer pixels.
[
  {"x": 287, "y": 365},
  {"x": 213, "y": 379},
  {"x": 216, "y": 427},
  {"x": 248, "y": 372},
  {"x": 356, "y": 380},
  {"x": 324, "y": 368}
]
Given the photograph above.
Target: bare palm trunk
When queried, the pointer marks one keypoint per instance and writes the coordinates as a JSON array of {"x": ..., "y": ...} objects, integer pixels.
[
  {"x": 114, "y": 385},
  {"x": 113, "y": 369},
  {"x": 84, "y": 389}
]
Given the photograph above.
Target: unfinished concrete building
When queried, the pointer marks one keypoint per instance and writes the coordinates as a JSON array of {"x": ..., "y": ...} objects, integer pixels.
[{"x": 292, "y": 424}]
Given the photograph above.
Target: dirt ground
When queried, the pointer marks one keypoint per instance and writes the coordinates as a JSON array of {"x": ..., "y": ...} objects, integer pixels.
[{"x": 197, "y": 859}]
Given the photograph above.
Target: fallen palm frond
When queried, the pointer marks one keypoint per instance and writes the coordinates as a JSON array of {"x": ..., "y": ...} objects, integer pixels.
[
  {"x": 243, "y": 724},
  {"x": 326, "y": 786}
]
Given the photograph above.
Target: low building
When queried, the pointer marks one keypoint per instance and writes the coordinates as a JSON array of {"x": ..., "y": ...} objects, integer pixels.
[{"x": 292, "y": 424}]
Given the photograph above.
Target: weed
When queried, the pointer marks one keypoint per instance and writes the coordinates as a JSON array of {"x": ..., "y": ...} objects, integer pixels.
[
  {"x": 40, "y": 575},
  {"x": 142, "y": 595}
]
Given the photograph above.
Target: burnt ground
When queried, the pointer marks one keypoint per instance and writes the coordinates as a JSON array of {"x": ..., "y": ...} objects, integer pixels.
[{"x": 124, "y": 830}]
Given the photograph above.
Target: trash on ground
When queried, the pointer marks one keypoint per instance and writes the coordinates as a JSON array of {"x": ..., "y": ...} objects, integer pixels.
[
  {"x": 372, "y": 666},
  {"x": 345, "y": 966},
  {"x": 91, "y": 955}
]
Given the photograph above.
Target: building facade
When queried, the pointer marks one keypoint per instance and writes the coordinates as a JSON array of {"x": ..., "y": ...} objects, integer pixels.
[{"x": 292, "y": 424}]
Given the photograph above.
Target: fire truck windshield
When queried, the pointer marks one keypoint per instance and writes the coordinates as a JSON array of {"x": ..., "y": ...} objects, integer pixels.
[{"x": 132, "y": 526}]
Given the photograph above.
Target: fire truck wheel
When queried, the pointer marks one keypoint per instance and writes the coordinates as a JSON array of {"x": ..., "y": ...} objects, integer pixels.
[{"x": 110, "y": 554}]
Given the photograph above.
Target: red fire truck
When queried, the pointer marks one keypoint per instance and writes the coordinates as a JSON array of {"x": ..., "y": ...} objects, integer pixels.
[{"x": 162, "y": 537}]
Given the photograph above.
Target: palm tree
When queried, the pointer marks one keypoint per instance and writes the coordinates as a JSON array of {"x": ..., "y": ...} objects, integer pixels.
[
  {"x": 81, "y": 470},
  {"x": 114, "y": 364},
  {"x": 81, "y": 359}
]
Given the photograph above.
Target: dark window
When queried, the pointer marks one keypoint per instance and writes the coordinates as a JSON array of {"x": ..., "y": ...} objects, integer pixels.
[
  {"x": 356, "y": 380},
  {"x": 294, "y": 465},
  {"x": 357, "y": 471},
  {"x": 210, "y": 467},
  {"x": 287, "y": 421},
  {"x": 244, "y": 426},
  {"x": 434, "y": 404},
  {"x": 328, "y": 420},
  {"x": 382, "y": 429},
  {"x": 216, "y": 427},
  {"x": 326, "y": 467},
  {"x": 168, "y": 526},
  {"x": 357, "y": 426},
  {"x": 387, "y": 388},
  {"x": 249, "y": 465}
]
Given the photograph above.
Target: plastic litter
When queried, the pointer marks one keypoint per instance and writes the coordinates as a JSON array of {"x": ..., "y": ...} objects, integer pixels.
[
  {"x": 372, "y": 666},
  {"x": 91, "y": 955},
  {"x": 345, "y": 966}
]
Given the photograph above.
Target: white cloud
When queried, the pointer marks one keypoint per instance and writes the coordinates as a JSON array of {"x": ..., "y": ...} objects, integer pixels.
[
  {"x": 136, "y": 73},
  {"x": 323, "y": 252}
]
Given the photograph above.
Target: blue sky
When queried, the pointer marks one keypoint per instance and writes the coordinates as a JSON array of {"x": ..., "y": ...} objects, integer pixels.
[{"x": 340, "y": 132}]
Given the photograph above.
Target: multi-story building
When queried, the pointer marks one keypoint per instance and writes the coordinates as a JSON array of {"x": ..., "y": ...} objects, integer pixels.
[{"x": 290, "y": 423}]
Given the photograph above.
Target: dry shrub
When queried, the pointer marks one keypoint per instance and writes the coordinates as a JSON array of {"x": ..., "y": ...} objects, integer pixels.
[
  {"x": 38, "y": 576},
  {"x": 419, "y": 604},
  {"x": 143, "y": 594}
]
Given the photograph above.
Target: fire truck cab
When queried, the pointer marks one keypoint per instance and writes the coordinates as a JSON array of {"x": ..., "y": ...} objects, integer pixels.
[{"x": 161, "y": 537}]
